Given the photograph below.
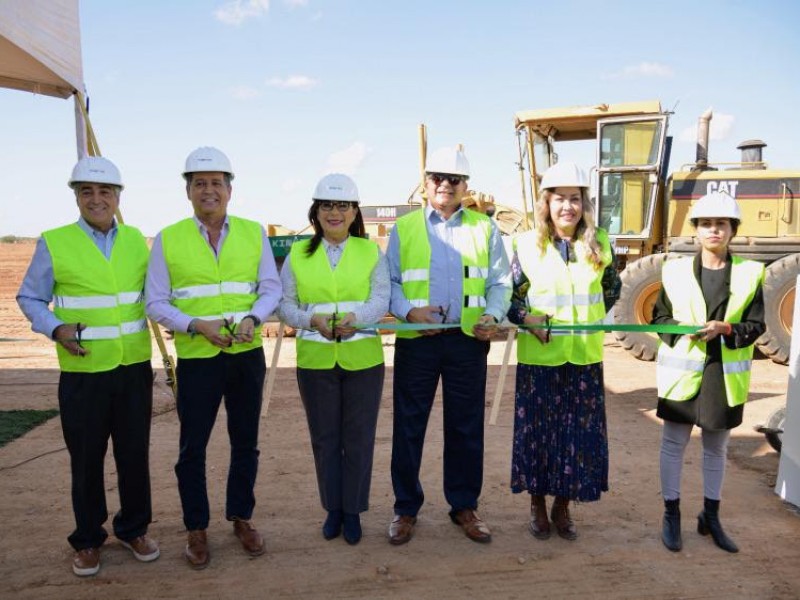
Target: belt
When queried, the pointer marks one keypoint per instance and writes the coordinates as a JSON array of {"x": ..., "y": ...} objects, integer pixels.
[{"x": 452, "y": 331}]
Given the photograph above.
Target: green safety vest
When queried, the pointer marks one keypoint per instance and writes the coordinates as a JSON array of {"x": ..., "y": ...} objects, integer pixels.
[
  {"x": 472, "y": 240},
  {"x": 106, "y": 295},
  {"x": 211, "y": 287},
  {"x": 340, "y": 291},
  {"x": 680, "y": 368},
  {"x": 570, "y": 292}
]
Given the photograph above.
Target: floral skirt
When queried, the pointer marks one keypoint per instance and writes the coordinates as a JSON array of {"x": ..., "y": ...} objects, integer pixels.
[{"x": 560, "y": 437}]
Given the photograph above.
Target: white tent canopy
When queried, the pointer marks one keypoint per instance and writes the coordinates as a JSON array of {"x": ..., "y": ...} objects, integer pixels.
[{"x": 40, "y": 46}]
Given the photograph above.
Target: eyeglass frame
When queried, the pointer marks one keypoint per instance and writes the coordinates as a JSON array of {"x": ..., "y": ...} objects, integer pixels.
[
  {"x": 341, "y": 205},
  {"x": 452, "y": 179}
]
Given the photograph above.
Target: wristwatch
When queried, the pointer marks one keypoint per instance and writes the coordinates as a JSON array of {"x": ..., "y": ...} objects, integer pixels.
[{"x": 256, "y": 320}]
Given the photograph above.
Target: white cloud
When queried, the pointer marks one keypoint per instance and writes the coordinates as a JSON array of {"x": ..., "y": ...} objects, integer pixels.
[
  {"x": 720, "y": 127},
  {"x": 643, "y": 69},
  {"x": 244, "y": 92},
  {"x": 348, "y": 160},
  {"x": 236, "y": 12},
  {"x": 293, "y": 82},
  {"x": 295, "y": 3}
]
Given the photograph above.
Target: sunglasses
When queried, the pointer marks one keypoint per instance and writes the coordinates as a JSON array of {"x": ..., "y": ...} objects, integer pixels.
[
  {"x": 328, "y": 206},
  {"x": 453, "y": 180}
]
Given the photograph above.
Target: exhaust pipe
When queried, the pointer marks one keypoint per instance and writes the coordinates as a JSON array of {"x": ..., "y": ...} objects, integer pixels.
[{"x": 703, "y": 126}]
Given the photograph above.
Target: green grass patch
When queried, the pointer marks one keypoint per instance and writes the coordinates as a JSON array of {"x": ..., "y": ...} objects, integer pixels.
[{"x": 14, "y": 423}]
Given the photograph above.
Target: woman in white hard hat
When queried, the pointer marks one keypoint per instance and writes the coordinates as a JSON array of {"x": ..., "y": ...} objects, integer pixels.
[
  {"x": 563, "y": 272},
  {"x": 703, "y": 379},
  {"x": 331, "y": 282}
]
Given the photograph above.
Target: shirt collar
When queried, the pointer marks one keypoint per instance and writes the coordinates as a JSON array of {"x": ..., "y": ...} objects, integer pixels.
[
  {"x": 204, "y": 229},
  {"x": 91, "y": 231},
  {"x": 434, "y": 217}
]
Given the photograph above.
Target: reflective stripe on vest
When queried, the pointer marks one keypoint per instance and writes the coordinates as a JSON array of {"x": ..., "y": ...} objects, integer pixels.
[
  {"x": 336, "y": 291},
  {"x": 570, "y": 293},
  {"x": 473, "y": 238},
  {"x": 680, "y": 368},
  {"x": 104, "y": 295},
  {"x": 209, "y": 287}
]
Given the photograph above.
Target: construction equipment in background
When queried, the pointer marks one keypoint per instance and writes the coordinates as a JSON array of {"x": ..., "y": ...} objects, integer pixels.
[{"x": 645, "y": 210}]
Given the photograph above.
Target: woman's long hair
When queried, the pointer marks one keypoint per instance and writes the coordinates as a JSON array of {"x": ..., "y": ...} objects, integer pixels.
[
  {"x": 356, "y": 229},
  {"x": 586, "y": 229}
]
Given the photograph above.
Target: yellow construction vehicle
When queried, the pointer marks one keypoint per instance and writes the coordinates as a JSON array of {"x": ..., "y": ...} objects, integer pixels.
[{"x": 645, "y": 210}]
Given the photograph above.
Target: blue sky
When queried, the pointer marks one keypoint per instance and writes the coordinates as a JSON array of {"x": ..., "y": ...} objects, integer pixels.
[{"x": 291, "y": 89}]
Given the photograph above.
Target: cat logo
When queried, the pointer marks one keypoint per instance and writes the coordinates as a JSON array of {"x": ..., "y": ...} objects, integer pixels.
[{"x": 729, "y": 187}]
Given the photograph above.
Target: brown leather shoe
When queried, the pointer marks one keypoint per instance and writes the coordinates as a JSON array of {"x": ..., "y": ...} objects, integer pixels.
[
  {"x": 197, "y": 549},
  {"x": 472, "y": 525},
  {"x": 144, "y": 549},
  {"x": 562, "y": 520},
  {"x": 401, "y": 529},
  {"x": 251, "y": 540},
  {"x": 86, "y": 562},
  {"x": 539, "y": 526}
]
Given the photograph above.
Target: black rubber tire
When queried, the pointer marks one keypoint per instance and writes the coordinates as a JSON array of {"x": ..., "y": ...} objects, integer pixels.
[
  {"x": 779, "y": 284},
  {"x": 776, "y": 422},
  {"x": 641, "y": 282}
]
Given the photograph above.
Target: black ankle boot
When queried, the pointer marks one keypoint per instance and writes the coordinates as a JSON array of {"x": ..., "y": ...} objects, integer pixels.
[
  {"x": 708, "y": 522},
  {"x": 333, "y": 525},
  {"x": 671, "y": 529}
]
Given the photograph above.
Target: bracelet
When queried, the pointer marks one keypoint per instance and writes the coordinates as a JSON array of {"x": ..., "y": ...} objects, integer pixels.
[{"x": 256, "y": 320}]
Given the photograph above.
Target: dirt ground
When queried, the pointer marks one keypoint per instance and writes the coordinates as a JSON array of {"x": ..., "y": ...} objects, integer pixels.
[{"x": 618, "y": 553}]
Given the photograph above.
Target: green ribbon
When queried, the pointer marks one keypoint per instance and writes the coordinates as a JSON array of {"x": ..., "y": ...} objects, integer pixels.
[{"x": 666, "y": 328}]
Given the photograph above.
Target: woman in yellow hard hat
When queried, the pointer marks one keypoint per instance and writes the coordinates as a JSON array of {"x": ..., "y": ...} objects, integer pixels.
[
  {"x": 331, "y": 282},
  {"x": 563, "y": 272},
  {"x": 703, "y": 379}
]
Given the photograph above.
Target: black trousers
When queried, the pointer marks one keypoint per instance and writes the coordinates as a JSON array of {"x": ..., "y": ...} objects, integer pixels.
[
  {"x": 419, "y": 363},
  {"x": 342, "y": 413},
  {"x": 202, "y": 383},
  {"x": 95, "y": 406}
]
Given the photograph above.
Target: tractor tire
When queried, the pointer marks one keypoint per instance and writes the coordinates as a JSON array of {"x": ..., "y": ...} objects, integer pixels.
[
  {"x": 641, "y": 282},
  {"x": 779, "y": 284},
  {"x": 775, "y": 425}
]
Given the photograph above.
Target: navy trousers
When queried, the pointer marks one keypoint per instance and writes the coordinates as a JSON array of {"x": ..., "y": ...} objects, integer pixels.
[
  {"x": 94, "y": 407},
  {"x": 342, "y": 413},
  {"x": 202, "y": 384},
  {"x": 460, "y": 362}
]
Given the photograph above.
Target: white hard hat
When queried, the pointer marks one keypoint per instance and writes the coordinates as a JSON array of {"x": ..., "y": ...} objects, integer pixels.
[
  {"x": 564, "y": 174},
  {"x": 95, "y": 169},
  {"x": 448, "y": 161},
  {"x": 207, "y": 159},
  {"x": 716, "y": 204},
  {"x": 337, "y": 187}
]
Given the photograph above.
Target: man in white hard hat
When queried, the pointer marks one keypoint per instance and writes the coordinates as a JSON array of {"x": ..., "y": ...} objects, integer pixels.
[
  {"x": 447, "y": 265},
  {"x": 103, "y": 344},
  {"x": 212, "y": 280}
]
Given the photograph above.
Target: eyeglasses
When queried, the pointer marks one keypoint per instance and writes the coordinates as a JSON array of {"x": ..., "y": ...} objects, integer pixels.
[
  {"x": 328, "y": 206},
  {"x": 453, "y": 180}
]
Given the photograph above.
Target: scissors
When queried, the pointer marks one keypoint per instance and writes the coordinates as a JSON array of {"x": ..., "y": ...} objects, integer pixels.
[
  {"x": 443, "y": 312},
  {"x": 333, "y": 326},
  {"x": 230, "y": 327}
]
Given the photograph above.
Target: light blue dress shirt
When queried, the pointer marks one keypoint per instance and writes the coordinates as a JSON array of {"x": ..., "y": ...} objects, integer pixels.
[
  {"x": 36, "y": 292},
  {"x": 446, "y": 270}
]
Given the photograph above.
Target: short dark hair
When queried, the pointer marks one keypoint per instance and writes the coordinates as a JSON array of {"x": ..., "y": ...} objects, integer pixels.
[
  {"x": 734, "y": 224},
  {"x": 189, "y": 176}
]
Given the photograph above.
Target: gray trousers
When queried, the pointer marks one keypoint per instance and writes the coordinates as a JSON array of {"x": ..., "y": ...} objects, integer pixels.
[
  {"x": 673, "y": 445},
  {"x": 342, "y": 413}
]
